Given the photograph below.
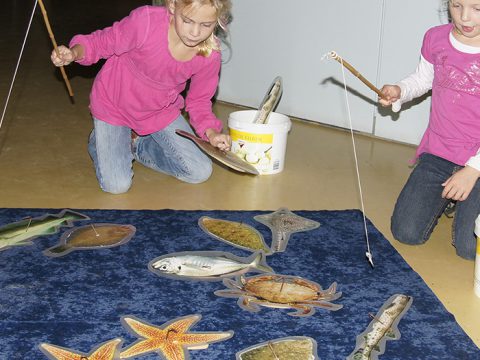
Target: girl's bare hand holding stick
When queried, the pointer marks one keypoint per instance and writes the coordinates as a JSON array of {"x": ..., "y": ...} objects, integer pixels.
[
  {"x": 391, "y": 93},
  {"x": 63, "y": 55}
]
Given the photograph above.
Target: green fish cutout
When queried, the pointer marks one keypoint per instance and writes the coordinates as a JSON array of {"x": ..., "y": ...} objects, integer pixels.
[{"x": 23, "y": 232}]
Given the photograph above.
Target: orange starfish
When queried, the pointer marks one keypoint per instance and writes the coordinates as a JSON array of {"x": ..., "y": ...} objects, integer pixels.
[
  {"x": 106, "y": 351},
  {"x": 171, "y": 339}
]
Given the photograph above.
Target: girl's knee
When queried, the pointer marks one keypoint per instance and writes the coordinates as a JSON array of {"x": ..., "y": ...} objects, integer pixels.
[
  {"x": 116, "y": 186},
  {"x": 407, "y": 233},
  {"x": 199, "y": 174}
]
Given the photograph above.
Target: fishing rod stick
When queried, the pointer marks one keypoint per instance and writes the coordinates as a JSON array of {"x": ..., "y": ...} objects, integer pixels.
[
  {"x": 355, "y": 72},
  {"x": 52, "y": 37}
]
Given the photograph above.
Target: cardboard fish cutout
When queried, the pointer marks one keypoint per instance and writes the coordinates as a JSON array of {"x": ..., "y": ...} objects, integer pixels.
[
  {"x": 234, "y": 233},
  {"x": 227, "y": 158},
  {"x": 23, "y": 232},
  {"x": 288, "y": 348},
  {"x": 207, "y": 265},
  {"x": 371, "y": 343},
  {"x": 93, "y": 236}
]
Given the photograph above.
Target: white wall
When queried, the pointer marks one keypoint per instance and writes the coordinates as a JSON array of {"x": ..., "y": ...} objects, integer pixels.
[
  {"x": 289, "y": 38},
  {"x": 405, "y": 24}
]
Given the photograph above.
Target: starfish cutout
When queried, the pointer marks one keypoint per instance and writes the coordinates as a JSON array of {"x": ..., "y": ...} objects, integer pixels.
[
  {"x": 106, "y": 351},
  {"x": 172, "y": 339},
  {"x": 283, "y": 223}
]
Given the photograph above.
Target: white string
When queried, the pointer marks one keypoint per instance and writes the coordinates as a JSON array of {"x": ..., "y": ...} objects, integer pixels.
[
  {"x": 18, "y": 64},
  {"x": 379, "y": 61},
  {"x": 368, "y": 254}
]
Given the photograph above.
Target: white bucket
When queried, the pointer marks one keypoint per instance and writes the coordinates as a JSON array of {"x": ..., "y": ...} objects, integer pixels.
[
  {"x": 476, "y": 280},
  {"x": 261, "y": 145}
]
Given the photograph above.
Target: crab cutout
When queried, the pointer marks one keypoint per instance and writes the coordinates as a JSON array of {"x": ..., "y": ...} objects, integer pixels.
[{"x": 281, "y": 291}]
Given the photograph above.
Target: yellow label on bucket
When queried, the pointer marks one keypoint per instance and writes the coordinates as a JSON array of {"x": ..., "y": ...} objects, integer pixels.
[
  {"x": 237, "y": 135},
  {"x": 478, "y": 246}
]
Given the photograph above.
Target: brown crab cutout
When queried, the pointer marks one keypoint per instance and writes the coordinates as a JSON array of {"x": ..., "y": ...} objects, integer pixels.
[{"x": 281, "y": 291}]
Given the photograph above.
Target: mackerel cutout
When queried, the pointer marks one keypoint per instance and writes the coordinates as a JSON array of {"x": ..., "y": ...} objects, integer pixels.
[{"x": 207, "y": 265}]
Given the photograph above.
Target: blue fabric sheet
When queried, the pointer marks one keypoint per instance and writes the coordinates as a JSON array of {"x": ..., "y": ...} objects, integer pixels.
[{"x": 76, "y": 301}]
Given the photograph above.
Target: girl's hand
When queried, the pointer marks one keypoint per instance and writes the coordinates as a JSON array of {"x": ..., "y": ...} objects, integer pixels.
[
  {"x": 459, "y": 185},
  {"x": 219, "y": 140},
  {"x": 391, "y": 94},
  {"x": 65, "y": 55}
]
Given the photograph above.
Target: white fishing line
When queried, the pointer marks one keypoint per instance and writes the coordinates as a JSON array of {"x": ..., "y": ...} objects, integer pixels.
[
  {"x": 368, "y": 254},
  {"x": 18, "y": 64}
]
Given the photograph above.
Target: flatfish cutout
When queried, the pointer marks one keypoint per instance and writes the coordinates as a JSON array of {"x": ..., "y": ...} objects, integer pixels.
[
  {"x": 93, "y": 236},
  {"x": 234, "y": 233},
  {"x": 227, "y": 158},
  {"x": 288, "y": 348},
  {"x": 384, "y": 326},
  {"x": 283, "y": 223}
]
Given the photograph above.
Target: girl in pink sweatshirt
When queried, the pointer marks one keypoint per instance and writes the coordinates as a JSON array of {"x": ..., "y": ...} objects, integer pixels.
[
  {"x": 151, "y": 55},
  {"x": 448, "y": 156}
]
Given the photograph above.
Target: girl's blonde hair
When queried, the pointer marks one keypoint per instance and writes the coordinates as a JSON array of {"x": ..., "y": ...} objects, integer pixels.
[{"x": 223, "y": 8}]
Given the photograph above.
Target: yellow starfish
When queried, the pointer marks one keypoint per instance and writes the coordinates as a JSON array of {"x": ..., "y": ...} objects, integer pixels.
[
  {"x": 171, "y": 339},
  {"x": 106, "y": 351}
]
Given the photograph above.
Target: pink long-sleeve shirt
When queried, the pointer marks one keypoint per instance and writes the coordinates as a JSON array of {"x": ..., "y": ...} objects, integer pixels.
[
  {"x": 453, "y": 131},
  {"x": 139, "y": 85}
]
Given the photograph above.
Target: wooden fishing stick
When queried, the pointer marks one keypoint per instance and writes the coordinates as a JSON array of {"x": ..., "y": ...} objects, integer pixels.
[
  {"x": 355, "y": 72},
  {"x": 52, "y": 37}
]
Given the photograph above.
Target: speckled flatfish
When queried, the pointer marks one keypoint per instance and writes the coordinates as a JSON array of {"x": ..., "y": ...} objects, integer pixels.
[
  {"x": 291, "y": 348},
  {"x": 227, "y": 158},
  {"x": 234, "y": 233},
  {"x": 92, "y": 236}
]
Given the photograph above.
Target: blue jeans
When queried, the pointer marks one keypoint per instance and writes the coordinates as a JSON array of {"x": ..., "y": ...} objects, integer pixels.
[
  {"x": 113, "y": 151},
  {"x": 420, "y": 205}
]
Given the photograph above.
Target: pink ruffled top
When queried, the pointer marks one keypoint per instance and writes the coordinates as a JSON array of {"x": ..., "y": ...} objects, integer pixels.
[{"x": 453, "y": 131}]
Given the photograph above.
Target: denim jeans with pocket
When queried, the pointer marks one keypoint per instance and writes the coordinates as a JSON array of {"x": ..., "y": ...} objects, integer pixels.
[
  {"x": 420, "y": 205},
  {"x": 113, "y": 151}
]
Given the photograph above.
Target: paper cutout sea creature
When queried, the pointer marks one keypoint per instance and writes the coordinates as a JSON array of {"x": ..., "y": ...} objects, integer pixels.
[
  {"x": 234, "y": 233},
  {"x": 227, "y": 158},
  {"x": 92, "y": 236},
  {"x": 171, "y": 339},
  {"x": 384, "y": 326},
  {"x": 288, "y": 348},
  {"x": 283, "y": 223},
  {"x": 106, "y": 351},
  {"x": 281, "y": 291},
  {"x": 269, "y": 102},
  {"x": 207, "y": 265},
  {"x": 22, "y": 232}
]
